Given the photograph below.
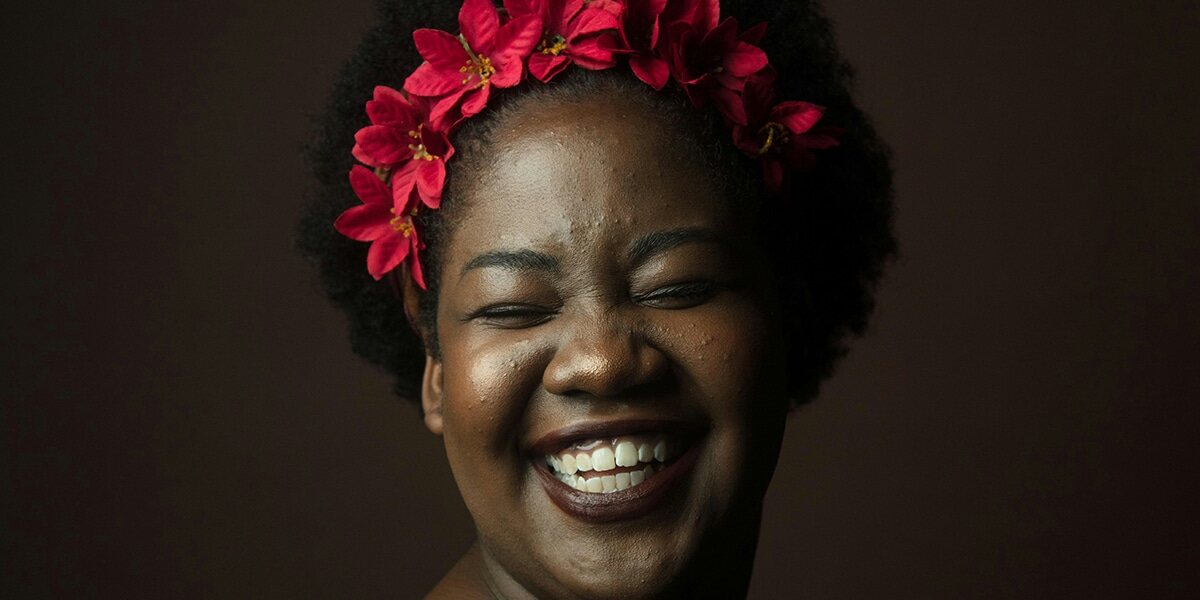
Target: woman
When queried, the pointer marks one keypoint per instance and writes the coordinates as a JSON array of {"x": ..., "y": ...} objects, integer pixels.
[{"x": 612, "y": 243}]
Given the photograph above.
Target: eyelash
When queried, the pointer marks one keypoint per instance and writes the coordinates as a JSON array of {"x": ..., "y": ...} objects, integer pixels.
[
  {"x": 688, "y": 291},
  {"x": 513, "y": 315}
]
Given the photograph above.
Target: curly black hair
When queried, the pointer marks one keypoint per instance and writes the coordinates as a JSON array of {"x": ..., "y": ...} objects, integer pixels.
[{"x": 831, "y": 234}]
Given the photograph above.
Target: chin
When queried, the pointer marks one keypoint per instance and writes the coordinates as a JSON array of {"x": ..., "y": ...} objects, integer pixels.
[{"x": 639, "y": 508}]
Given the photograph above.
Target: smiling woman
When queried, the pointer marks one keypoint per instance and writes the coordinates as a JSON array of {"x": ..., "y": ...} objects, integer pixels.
[{"x": 613, "y": 307}]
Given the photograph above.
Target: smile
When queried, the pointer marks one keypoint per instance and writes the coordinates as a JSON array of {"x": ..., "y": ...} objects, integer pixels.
[
  {"x": 610, "y": 465},
  {"x": 616, "y": 471}
]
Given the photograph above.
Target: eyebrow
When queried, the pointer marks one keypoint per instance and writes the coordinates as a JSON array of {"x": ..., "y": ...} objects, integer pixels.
[
  {"x": 640, "y": 251},
  {"x": 658, "y": 242},
  {"x": 512, "y": 260}
]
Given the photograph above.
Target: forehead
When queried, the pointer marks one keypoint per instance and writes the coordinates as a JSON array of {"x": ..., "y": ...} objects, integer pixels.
[{"x": 580, "y": 178}]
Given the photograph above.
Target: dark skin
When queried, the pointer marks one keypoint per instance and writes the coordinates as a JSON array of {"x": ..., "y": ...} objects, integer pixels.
[{"x": 595, "y": 274}]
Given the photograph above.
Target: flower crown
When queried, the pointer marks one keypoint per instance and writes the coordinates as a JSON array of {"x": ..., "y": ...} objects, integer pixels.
[{"x": 405, "y": 148}]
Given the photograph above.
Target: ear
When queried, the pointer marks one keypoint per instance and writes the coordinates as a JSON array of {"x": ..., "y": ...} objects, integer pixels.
[
  {"x": 431, "y": 395},
  {"x": 431, "y": 382}
]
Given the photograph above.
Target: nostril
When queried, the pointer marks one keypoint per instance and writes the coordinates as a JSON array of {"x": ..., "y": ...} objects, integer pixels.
[
  {"x": 604, "y": 365},
  {"x": 592, "y": 372}
]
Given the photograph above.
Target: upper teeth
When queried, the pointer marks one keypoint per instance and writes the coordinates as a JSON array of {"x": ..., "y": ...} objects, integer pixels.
[{"x": 607, "y": 455}]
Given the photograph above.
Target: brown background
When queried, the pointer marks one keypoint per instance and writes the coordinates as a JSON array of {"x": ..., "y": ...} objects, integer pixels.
[{"x": 182, "y": 415}]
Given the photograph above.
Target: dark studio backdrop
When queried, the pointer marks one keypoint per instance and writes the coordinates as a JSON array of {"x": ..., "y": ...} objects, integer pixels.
[{"x": 182, "y": 416}]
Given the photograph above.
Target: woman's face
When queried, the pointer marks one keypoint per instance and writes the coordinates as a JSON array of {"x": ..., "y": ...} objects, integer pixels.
[{"x": 609, "y": 391}]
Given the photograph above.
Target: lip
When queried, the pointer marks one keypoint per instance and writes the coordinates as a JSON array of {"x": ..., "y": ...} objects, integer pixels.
[{"x": 626, "y": 504}]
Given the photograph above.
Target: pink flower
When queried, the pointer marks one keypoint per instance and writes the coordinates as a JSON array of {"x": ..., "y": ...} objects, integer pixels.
[
  {"x": 392, "y": 233},
  {"x": 401, "y": 144},
  {"x": 575, "y": 31},
  {"x": 714, "y": 63},
  {"x": 782, "y": 136},
  {"x": 460, "y": 70}
]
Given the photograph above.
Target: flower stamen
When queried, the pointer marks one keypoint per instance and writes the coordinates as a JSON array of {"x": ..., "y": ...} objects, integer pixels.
[
  {"x": 552, "y": 45},
  {"x": 776, "y": 134},
  {"x": 477, "y": 66},
  {"x": 402, "y": 225},
  {"x": 418, "y": 149},
  {"x": 420, "y": 153}
]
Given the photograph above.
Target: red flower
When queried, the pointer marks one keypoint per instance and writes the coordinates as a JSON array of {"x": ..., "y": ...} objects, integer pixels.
[
  {"x": 782, "y": 136},
  {"x": 644, "y": 31},
  {"x": 400, "y": 143},
  {"x": 713, "y": 64},
  {"x": 575, "y": 31},
  {"x": 392, "y": 234},
  {"x": 460, "y": 70}
]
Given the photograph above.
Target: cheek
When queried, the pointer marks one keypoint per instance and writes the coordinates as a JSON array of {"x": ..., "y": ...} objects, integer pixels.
[
  {"x": 726, "y": 353},
  {"x": 730, "y": 357},
  {"x": 486, "y": 388}
]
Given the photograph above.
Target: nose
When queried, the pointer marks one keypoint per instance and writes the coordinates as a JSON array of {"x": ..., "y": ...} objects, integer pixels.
[{"x": 605, "y": 356}]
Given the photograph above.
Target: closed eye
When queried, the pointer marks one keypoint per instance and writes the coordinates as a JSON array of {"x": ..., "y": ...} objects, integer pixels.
[
  {"x": 680, "y": 295},
  {"x": 512, "y": 316}
]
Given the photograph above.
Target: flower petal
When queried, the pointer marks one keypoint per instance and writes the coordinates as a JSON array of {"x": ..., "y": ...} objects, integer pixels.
[
  {"x": 386, "y": 145},
  {"x": 479, "y": 21},
  {"x": 414, "y": 263},
  {"x": 403, "y": 182},
  {"x": 441, "y": 49},
  {"x": 743, "y": 60},
  {"x": 445, "y": 113},
  {"x": 386, "y": 253},
  {"x": 475, "y": 101},
  {"x": 639, "y": 21},
  {"x": 757, "y": 95},
  {"x": 593, "y": 20},
  {"x": 514, "y": 43},
  {"x": 745, "y": 140},
  {"x": 595, "y": 53},
  {"x": 729, "y": 103},
  {"x": 558, "y": 13},
  {"x": 796, "y": 115},
  {"x": 428, "y": 81},
  {"x": 819, "y": 138},
  {"x": 508, "y": 73},
  {"x": 641, "y": 11},
  {"x": 651, "y": 69},
  {"x": 705, "y": 15},
  {"x": 696, "y": 90},
  {"x": 431, "y": 179},
  {"x": 364, "y": 158},
  {"x": 723, "y": 35},
  {"x": 368, "y": 187},
  {"x": 437, "y": 144},
  {"x": 390, "y": 107},
  {"x": 683, "y": 46},
  {"x": 365, "y": 222},
  {"x": 546, "y": 66},
  {"x": 726, "y": 80},
  {"x": 517, "y": 8}
]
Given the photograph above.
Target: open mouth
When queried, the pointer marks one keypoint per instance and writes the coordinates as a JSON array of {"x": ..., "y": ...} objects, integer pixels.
[
  {"x": 604, "y": 466},
  {"x": 614, "y": 471}
]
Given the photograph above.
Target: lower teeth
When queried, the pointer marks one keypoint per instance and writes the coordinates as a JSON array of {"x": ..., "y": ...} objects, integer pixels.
[{"x": 607, "y": 484}]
